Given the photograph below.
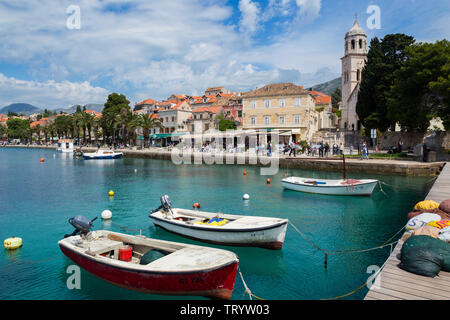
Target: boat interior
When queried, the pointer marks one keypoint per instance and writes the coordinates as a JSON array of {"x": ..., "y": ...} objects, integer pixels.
[
  {"x": 198, "y": 217},
  {"x": 129, "y": 250}
]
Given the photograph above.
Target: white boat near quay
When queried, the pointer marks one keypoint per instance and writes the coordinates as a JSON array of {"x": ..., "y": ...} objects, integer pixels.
[
  {"x": 220, "y": 228},
  {"x": 347, "y": 187},
  {"x": 102, "y": 154}
]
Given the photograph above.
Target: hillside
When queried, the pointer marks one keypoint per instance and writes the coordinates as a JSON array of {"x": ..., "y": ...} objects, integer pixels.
[
  {"x": 20, "y": 108},
  {"x": 95, "y": 107},
  {"x": 328, "y": 87}
]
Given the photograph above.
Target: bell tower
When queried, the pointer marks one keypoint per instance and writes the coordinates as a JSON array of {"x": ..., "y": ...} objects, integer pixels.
[{"x": 353, "y": 63}]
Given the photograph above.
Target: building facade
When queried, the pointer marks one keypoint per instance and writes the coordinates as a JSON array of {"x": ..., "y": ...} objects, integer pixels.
[{"x": 283, "y": 106}]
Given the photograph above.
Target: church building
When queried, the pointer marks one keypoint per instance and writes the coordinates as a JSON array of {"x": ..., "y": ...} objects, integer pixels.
[{"x": 352, "y": 65}]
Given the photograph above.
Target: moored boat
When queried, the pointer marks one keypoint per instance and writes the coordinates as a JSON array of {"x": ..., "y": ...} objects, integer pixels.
[
  {"x": 219, "y": 228},
  {"x": 150, "y": 265},
  {"x": 347, "y": 187},
  {"x": 102, "y": 154}
]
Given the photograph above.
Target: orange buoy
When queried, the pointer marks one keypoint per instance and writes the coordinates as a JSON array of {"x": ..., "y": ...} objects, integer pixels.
[
  {"x": 196, "y": 205},
  {"x": 245, "y": 173},
  {"x": 42, "y": 160},
  {"x": 268, "y": 181}
]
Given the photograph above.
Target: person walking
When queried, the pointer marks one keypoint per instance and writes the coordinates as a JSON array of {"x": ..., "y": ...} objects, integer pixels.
[
  {"x": 351, "y": 149},
  {"x": 292, "y": 146},
  {"x": 365, "y": 153},
  {"x": 269, "y": 149}
]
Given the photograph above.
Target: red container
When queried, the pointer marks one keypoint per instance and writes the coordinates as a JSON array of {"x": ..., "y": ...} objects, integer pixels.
[{"x": 125, "y": 253}]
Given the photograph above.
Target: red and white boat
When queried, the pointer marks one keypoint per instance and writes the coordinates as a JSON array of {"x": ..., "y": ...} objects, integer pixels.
[{"x": 153, "y": 266}]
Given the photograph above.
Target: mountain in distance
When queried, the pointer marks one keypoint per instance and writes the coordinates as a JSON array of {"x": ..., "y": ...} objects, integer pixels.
[
  {"x": 21, "y": 108},
  {"x": 93, "y": 106},
  {"x": 328, "y": 87}
]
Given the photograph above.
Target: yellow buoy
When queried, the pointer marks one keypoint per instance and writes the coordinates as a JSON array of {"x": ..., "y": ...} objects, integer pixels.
[
  {"x": 111, "y": 193},
  {"x": 12, "y": 243}
]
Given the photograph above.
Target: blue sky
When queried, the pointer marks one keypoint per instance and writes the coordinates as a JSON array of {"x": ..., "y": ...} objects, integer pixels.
[{"x": 151, "y": 49}]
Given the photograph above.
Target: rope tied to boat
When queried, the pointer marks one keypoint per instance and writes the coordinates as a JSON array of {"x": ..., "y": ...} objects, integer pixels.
[{"x": 247, "y": 290}]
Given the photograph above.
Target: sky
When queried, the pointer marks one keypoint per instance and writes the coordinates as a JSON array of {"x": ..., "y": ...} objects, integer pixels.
[{"x": 56, "y": 54}]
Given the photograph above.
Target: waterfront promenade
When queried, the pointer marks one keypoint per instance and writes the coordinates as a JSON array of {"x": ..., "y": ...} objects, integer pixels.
[
  {"x": 375, "y": 166},
  {"x": 397, "y": 284}
]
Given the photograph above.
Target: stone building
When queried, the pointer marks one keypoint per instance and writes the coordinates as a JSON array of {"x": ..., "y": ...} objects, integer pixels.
[
  {"x": 283, "y": 107},
  {"x": 353, "y": 62}
]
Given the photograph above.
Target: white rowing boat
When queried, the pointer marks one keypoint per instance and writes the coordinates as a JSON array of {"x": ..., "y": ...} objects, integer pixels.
[
  {"x": 219, "y": 228},
  {"x": 347, "y": 187}
]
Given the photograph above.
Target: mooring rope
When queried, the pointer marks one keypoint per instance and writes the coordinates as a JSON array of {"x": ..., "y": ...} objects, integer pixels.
[
  {"x": 338, "y": 252},
  {"x": 247, "y": 290},
  {"x": 356, "y": 290}
]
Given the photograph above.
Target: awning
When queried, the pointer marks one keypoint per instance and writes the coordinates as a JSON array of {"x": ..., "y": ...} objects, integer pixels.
[
  {"x": 166, "y": 135},
  {"x": 286, "y": 133}
]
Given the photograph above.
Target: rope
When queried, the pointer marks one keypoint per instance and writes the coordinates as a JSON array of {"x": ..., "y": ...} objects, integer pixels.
[
  {"x": 247, "y": 290},
  {"x": 336, "y": 252},
  {"x": 356, "y": 290}
]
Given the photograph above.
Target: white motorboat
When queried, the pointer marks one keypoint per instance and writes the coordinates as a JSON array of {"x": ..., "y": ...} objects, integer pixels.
[
  {"x": 347, "y": 187},
  {"x": 65, "y": 145},
  {"x": 102, "y": 154},
  {"x": 219, "y": 228}
]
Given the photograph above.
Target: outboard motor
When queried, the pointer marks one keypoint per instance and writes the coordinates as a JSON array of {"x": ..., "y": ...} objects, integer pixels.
[
  {"x": 81, "y": 224},
  {"x": 166, "y": 204}
]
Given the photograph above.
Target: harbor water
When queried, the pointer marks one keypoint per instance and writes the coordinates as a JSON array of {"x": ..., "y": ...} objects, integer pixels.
[{"x": 37, "y": 199}]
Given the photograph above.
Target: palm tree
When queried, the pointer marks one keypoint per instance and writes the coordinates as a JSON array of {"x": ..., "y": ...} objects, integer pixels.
[
  {"x": 132, "y": 125},
  {"x": 147, "y": 122},
  {"x": 87, "y": 121}
]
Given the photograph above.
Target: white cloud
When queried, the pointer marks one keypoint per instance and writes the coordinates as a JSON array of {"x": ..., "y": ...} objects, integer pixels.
[
  {"x": 49, "y": 94},
  {"x": 308, "y": 10},
  {"x": 158, "y": 47},
  {"x": 250, "y": 12}
]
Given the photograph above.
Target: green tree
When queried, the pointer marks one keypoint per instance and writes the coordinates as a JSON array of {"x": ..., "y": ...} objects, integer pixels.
[
  {"x": 18, "y": 128},
  {"x": 225, "y": 123},
  {"x": 421, "y": 91},
  {"x": 383, "y": 59},
  {"x": 336, "y": 97},
  {"x": 147, "y": 122}
]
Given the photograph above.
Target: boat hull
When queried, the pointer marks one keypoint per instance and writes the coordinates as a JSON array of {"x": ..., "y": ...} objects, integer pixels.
[
  {"x": 361, "y": 189},
  {"x": 88, "y": 157},
  {"x": 215, "y": 283},
  {"x": 267, "y": 237}
]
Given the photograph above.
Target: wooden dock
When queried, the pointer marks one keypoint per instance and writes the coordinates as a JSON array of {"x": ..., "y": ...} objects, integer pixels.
[{"x": 394, "y": 283}]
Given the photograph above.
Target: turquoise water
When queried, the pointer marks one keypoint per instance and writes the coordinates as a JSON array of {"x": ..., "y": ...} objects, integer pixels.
[{"x": 37, "y": 199}]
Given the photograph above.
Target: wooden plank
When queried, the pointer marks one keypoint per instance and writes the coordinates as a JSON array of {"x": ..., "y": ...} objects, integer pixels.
[
  {"x": 398, "y": 294},
  {"x": 414, "y": 288},
  {"x": 380, "y": 296},
  {"x": 428, "y": 284},
  {"x": 399, "y": 272},
  {"x": 442, "y": 274}
]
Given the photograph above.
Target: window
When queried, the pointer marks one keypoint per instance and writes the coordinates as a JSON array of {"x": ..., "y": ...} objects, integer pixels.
[
  {"x": 253, "y": 104},
  {"x": 353, "y": 44},
  {"x": 206, "y": 126},
  {"x": 297, "y": 102},
  {"x": 281, "y": 103},
  {"x": 358, "y": 75},
  {"x": 192, "y": 128},
  {"x": 267, "y": 103},
  {"x": 252, "y": 121},
  {"x": 296, "y": 119},
  {"x": 267, "y": 120},
  {"x": 281, "y": 119},
  {"x": 239, "y": 113},
  {"x": 360, "y": 43},
  {"x": 173, "y": 119}
]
